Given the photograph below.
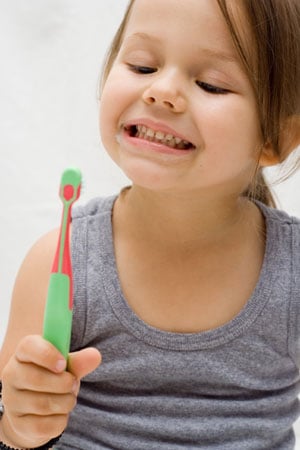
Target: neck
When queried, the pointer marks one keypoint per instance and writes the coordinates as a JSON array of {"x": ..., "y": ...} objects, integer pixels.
[{"x": 183, "y": 220}]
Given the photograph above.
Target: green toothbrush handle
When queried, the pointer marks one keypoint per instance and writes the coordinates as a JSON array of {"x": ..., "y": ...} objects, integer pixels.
[{"x": 58, "y": 315}]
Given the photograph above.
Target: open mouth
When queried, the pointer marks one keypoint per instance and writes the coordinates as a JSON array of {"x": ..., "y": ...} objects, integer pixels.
[{"x": 143, "y": 132}]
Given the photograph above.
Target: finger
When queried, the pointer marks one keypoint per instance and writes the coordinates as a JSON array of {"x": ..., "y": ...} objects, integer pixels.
[
  {"x": 34, "y": 349},
  {"x": 37, "y": 379},
  {"x": 41, "y": 404},
  {"x": 83, "y": 362},
  {"x": 33, "y": 429}
]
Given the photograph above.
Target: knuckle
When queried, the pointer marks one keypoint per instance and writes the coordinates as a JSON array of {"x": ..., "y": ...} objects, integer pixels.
[
  {"x": 73, "y": 402},
  {"x": 66, "y": 404},
  {"x": 9, "y": 392},
  {"x": 48, "y": 352},
  {"x": 34, "y": 379},
  {"x": 35, "y": 349},
  {"x": 67, "y": 382},
  {"x": 9, "y": 372},
  {"x": 25, "y": 343},
  {"x": 61, "y": 423},
  {"x": 5, "y": 377},
  {"x": 53, "y": 404},
  {"x": 41, "y": 404}
]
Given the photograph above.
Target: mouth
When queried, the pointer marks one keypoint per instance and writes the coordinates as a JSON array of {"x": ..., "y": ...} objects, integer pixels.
[{"x": 159, "y": 137}]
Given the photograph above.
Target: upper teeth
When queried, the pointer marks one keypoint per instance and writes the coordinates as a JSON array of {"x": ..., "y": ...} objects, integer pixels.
[{"x": 172, "y": 141}]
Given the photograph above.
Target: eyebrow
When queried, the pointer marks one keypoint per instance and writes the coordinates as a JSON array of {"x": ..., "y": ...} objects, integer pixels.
[
  {"x": 208, "y": 52},
  {"x": 143, "y": 36},
  {"x": 227, "y": 57}
]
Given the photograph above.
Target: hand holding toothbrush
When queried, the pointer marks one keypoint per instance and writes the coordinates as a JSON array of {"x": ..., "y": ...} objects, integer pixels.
[{"x": 38, "y": 391}]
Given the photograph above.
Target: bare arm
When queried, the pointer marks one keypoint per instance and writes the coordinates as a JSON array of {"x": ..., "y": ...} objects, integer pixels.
[
  {"x": 29, "y": 295},
  {"x": 38, "y": 394}
]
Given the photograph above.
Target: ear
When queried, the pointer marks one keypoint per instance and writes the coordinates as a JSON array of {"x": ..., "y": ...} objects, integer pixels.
[
  {"x": 268, "y": 157},
  {"x": 289, "y": 140}
]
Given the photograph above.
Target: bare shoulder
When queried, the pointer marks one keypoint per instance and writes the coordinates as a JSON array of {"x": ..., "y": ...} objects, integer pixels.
[{"x": 29, "y": 294}]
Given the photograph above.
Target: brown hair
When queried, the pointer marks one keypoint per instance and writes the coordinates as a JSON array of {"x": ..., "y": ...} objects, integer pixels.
[
  {"x": 274, "y": 71},
  {"x": 116, "y": 44}
]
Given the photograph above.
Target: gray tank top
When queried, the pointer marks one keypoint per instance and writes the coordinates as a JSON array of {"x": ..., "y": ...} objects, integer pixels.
[{"x": 231, "y": 388}]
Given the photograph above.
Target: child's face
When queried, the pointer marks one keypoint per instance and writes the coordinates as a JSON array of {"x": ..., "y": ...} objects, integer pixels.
[{"x": 177, "y": 75}]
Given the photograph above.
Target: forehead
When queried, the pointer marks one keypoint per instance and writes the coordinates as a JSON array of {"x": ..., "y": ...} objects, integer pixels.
[{"x": 194, "y": 21}]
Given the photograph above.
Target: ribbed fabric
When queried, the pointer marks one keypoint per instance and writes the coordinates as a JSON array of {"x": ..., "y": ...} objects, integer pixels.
[{"x": 231, "y": 388}]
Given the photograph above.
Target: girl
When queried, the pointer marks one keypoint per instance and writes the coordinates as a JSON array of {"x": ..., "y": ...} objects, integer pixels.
[{"x": 188, "y": 280}]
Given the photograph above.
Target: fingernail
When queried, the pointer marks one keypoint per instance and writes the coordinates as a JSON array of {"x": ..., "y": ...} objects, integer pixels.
[{"x": 60, "y": 365}]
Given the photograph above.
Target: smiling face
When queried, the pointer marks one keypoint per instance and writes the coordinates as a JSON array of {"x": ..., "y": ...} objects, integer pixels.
[{"x": 177, "y": 111}]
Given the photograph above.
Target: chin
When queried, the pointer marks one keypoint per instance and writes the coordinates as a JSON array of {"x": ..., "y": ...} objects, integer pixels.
[{"x": 148, "y": 177}]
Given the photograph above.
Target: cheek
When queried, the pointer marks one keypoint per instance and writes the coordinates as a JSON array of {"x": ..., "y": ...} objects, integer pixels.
[
  {"x": 231, "y": 126},
  {"x": 116, "y": 97},
  {"x": 108, "y": 111}
]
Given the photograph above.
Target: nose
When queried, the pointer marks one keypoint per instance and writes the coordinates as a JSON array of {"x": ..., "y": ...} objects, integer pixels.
[{"x": 166, "y": 90}]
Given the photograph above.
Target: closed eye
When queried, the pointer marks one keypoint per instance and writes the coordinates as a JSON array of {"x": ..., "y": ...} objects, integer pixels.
[
  {"x": 211, "y": 89},
  {"x": 143, "y": 70}
]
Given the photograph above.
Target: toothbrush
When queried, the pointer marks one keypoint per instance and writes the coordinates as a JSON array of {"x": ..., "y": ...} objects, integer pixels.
[{"x": 59, "y": 305}]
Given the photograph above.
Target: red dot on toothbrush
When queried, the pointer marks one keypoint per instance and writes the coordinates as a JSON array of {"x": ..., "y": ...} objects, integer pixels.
[{"x": 68, "y": 192}]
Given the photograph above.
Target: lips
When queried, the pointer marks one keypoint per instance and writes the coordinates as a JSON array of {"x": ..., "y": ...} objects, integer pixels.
[{"x": 141, "y": 131}]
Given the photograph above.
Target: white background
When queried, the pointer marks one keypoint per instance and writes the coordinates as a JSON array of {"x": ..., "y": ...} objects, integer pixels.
[{"x": 51, "y": 58}]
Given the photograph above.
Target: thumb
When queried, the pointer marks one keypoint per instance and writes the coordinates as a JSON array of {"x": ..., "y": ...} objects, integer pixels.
[{"x": 83, "y": 362}]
